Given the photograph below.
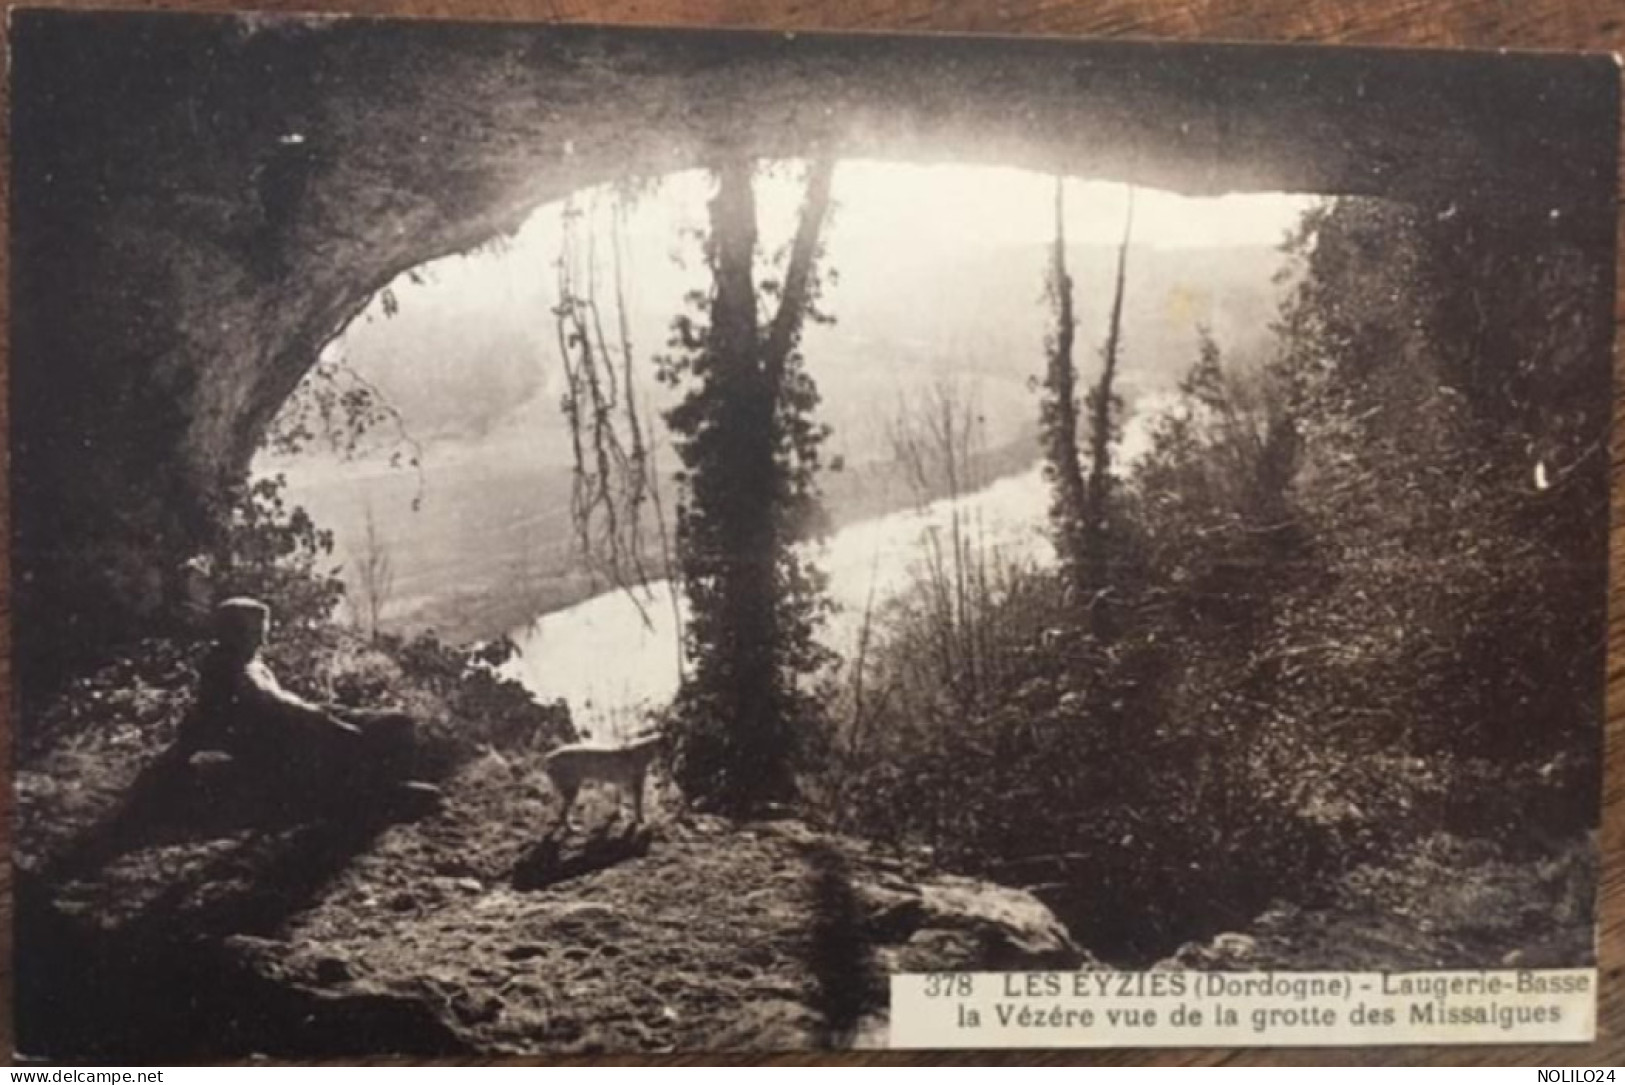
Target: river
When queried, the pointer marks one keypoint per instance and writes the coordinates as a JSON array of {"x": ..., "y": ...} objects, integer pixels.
[{"x": 613, "y": 658}]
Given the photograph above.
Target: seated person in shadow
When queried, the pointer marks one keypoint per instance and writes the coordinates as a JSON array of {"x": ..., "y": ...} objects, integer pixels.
[
  {"x": 250, "y": 751},
  {"x": 300, "y": 752}
]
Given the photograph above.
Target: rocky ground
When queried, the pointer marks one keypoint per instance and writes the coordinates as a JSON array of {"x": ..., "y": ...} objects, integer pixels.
[
  {"x": 153, "y": 922},
  {"x": 306, "y": 939},
  {"x": 706, "y": 936}
]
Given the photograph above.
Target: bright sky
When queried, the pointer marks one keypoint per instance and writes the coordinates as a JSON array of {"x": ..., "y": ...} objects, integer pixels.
[
  {"x": 951, "y": 205},
  {"x": 889, "y": 222},
  {"x": 924, "y": 254},
  {"x": 880, "y": 206},
  {"x": 955, "y": 204}
]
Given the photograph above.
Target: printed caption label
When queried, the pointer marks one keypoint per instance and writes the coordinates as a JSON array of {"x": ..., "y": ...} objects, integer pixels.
[{"x": 1237, "y": 1009}]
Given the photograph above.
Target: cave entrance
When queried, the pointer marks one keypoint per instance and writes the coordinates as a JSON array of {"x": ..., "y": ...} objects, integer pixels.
[
  {"x": 200, "y": 205},
  {"x": 183, "y": 248},
  {"x": 430, "y": 435}
]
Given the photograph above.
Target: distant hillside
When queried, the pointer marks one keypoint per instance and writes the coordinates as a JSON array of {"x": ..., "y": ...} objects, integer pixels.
[
  {"x": 489, "y": 544},
  {"x": 474, "y": 375},
  {"x": 463, "y": 364}
]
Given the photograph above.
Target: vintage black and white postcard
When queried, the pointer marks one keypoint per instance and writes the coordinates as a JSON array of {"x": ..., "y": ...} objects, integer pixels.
[{"x": 537, "y": 539}]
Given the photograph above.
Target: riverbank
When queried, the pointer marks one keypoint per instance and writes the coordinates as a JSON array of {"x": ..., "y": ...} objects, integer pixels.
[
  {"x": 615, "y": 656},
  {"x": 478, "y": 549}
]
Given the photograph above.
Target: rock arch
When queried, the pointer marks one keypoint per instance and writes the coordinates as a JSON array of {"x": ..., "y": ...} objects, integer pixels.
[{"x": 199, "y": 203}]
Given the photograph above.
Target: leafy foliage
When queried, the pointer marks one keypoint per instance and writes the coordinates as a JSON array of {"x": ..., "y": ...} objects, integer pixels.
[
  {"x": 275, "y": 552},
  {"x": 1345, "y": 598},
  {"x": 749, "y": 447},
  {"x": 338, "y": 407},
  {"x": 463, "y": 701}
]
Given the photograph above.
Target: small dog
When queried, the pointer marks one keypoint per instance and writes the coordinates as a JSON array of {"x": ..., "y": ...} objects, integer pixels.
[{"x": 625, "y": 766}]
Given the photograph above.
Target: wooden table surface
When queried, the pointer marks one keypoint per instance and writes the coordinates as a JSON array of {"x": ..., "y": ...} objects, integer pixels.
[{"x": 1592, "y": 25}]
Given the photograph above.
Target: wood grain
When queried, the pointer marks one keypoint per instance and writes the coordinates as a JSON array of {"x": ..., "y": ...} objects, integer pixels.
[{"x": 1591, "y": 25}]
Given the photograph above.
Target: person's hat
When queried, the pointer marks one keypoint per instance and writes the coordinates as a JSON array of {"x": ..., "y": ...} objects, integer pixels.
[{"x": 241, "y": 618}]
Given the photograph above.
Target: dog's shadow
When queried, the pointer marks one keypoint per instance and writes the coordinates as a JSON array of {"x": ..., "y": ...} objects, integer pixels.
[{"x": 569, "y": 852}]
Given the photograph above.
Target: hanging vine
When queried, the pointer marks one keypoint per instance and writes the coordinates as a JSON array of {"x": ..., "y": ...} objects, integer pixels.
[{"x": 613, "y": 476}]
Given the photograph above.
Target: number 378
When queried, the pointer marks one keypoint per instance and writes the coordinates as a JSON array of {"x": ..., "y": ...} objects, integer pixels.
[{"x": 948, "y": 985}]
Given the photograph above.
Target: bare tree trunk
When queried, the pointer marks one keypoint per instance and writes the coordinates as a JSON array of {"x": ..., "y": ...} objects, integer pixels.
[
  {"x": 937, "y": 442},
  {"x": 375, "y": 578},
  {"x": 1068, "y": 508},
  {"x": 1102, "y": 435},
  {"x": 743, "y": 639}
]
